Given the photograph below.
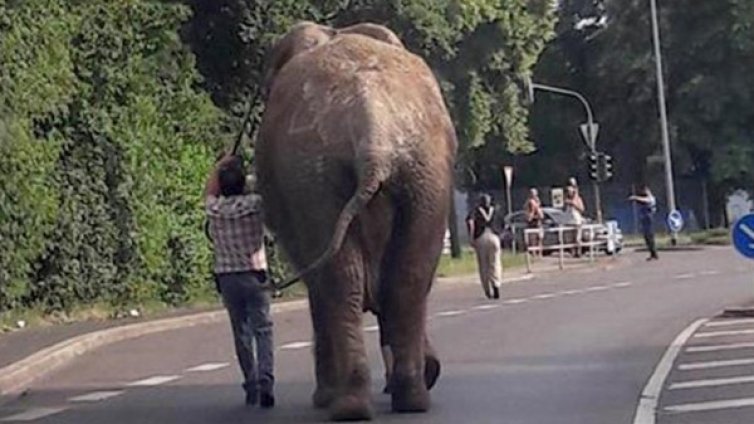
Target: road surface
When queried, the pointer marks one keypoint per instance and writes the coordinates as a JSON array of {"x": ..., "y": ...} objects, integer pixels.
[{"x": 571, "y": 348}]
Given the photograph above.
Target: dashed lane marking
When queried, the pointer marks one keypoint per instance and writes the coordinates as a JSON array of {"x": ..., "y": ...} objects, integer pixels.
[
  {"x": 485, "y": 307},
  {"x": 716, "y": 364},
  {"x": 730, "y": 322},
  {"x": 210, "y": 366},
  {"x": 711, "y": 334},
  {"x": 32, "y": 414},
  {"x": 711, "y": 406},
  {"x": 96, "y": 396},
  {"x": 710, "y": 273},
  {"x": 515, "y": 301},
  {"x": 154, "y": 381},
  {"x": 623, "y": 285},
  {"x": 450, "y": 313},
  {"x": 295, "y": 345},
  {"x": 715, "y": 348},
  {"x": 570, "y": 292},
  {"x": 544, "y": 296},
  {"x": 712, "y": 382},
  {"x": 684, "y": 276},
  {"x": 597, "y": 288}
]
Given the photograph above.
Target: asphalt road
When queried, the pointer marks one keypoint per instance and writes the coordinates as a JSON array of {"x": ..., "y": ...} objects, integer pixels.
[{"x": 572, "y": 348}]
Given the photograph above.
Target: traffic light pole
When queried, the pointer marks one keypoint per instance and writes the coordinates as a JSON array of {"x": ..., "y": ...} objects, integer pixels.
[{"x": 592, "y": 139}]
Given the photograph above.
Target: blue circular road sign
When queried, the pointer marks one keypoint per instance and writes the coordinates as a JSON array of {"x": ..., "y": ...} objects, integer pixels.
[
  {"x": 743, "y": 236},
  {"x": 675, "y": 221}
]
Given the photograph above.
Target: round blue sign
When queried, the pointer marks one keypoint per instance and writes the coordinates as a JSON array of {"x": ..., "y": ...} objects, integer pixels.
[
  {"x": 743, "y": 236},
  {"x": 675, "y": 221}
]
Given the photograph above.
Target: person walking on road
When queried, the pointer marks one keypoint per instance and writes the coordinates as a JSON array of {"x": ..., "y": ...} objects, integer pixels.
[
  {"x": 534, "y": 217},
  {"x": 486, "y": 244},
  {"x": 240, "y": 268},
  {"x": 647, "y": 208}
]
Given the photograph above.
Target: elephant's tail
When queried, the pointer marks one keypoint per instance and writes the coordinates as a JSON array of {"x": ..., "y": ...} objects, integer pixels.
[{"x": 364, "y": 193}]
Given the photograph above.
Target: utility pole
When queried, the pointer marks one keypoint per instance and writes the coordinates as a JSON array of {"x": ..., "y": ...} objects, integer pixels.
[{"x": 670, "y": 189}]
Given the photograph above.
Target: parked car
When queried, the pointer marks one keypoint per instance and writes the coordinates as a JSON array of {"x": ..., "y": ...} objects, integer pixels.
[{"x": 611, "y": 242}]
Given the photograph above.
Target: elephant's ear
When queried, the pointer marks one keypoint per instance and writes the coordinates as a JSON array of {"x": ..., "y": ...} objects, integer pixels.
[
  {"x": 375, "y": 31},
  {"x": 301, "y": 37}
]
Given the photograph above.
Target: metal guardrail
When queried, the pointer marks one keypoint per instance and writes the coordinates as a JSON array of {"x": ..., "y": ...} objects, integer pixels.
[{"x": 580, "y": 242}]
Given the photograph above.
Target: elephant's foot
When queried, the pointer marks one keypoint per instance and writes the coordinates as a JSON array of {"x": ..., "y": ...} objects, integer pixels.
[
  {"x": 323, "y": 397},
  {"x": 409, "y": 395},
  {"x": 431, "y": 371},
  {"x": 351, "y": 408}
]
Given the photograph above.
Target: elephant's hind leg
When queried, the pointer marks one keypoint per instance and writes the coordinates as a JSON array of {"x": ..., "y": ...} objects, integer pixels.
[
  {"x": 414, "y": 252},
  {"x": 341, "y": 297}
]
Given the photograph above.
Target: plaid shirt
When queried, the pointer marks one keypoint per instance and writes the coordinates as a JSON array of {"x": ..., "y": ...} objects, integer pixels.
[{"x": 235, "y": 226}]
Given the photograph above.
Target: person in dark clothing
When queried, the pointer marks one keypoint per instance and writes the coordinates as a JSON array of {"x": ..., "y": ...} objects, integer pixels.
[
  {"x": 647, "y": 208},
  {"x": 235, "y": 228}
]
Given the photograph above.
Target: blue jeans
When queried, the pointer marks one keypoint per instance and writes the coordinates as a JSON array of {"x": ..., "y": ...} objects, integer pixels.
[{"x": 247, "y": 300}]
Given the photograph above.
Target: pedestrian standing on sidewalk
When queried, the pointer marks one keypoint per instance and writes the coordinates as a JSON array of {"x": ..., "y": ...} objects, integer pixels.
[
  {"x": 573, "y": 207},
  {"x": 235, "y": 228},
  {"x": 647, "y": 208},
  {"x": 534, "y": 218},
  {"x": 486, "y": 244}
]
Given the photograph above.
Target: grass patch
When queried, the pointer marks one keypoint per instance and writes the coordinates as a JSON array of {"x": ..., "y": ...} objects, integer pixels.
[
  {"x": 714, "y": 237},
  {"x": 466, "y": 264}
]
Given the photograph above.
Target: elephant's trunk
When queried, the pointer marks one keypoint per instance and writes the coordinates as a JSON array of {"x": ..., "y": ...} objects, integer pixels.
[{"x": 364, "y": 193}]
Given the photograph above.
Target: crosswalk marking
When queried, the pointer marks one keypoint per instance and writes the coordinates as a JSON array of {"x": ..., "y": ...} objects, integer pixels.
[
  {"x": 716, "y": 364},
  {"x": 96, "y": 396},
  {"x": 713, "y": 382},
  {"x": 711, "y": 406},
  {"x": 731, "y": 322},
  {"x": 723, "y": 333},
  {"x": 154, "y": 381},
  {"x": 32, "y": 414},
  {"x": 715, "y": 348},
  {"x": 210, "y": 366}
]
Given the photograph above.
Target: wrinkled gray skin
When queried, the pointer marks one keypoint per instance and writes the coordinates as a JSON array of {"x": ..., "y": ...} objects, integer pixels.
[{"x": 354, "y": 163}]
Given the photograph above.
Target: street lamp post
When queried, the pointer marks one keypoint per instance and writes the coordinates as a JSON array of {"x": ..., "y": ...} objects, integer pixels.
[
  {"x": 670, "y": 189},
  {"x": 591, "y": 133}
]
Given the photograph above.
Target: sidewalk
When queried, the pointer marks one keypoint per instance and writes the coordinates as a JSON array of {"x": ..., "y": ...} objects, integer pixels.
[{"x": 28, "y": 354}]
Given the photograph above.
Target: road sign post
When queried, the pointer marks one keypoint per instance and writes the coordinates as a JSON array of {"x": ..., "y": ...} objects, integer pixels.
[
  {"x": 675, "y": 222},
  {"x": 508, "y": 173},
  {"x": 743, "y": 236}
]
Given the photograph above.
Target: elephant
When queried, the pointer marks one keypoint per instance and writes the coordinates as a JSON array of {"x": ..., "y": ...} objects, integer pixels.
[{"x": 354, "y": 162}]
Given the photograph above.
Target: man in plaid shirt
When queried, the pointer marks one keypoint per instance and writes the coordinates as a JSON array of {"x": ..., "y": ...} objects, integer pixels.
[{"x": 235, "y": 228}]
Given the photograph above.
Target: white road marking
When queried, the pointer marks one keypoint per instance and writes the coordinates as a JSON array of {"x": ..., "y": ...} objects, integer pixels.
[
  {"x": 716, "y": 364},
  {"x": 515, "y": 301},
  {"x": 154, "y": 381},
  {"x": 710, "y": 334},
  {"x": 711, "y": 406},
  {"x": 715, "y": 348},
  {"x": 32, "y": 414},
  {"x": 372, "y": 329},
  {"x": 295, "y": 345},
  {"x": 709, "y": 273},
  {"x": 96, "y": 396},
  {"x": 623, "y": 285},
  {"x": 730, "y": 322},
  {"x": 450, "y": 313},
  {"x": 647, "y": 408},
  {"x": 570, "y": 292},
  {"x": 597, "y": 288},
  {"x": 485, "y": 307},
  {"x": 684, "y": 276},
  {"x": 713, "y": 382},
  {"x": 210, "y": 366},
  {"x": 544, "y": 296}
]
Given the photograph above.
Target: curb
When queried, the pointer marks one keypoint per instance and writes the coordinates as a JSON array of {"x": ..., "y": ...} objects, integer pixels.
[
  {"x": 738, "y": 312},
  {"x": 17, "y": 377}
]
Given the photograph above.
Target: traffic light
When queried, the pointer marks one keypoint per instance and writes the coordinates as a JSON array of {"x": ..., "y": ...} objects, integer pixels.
[
  {"x": 594, "y": 166},
  {"x": 607, "y": 167}
]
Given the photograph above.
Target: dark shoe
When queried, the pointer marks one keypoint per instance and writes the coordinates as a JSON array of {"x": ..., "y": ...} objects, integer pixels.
[
  {"x": 266, "y": 400},
  {"x": 495, "y": 293}
]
